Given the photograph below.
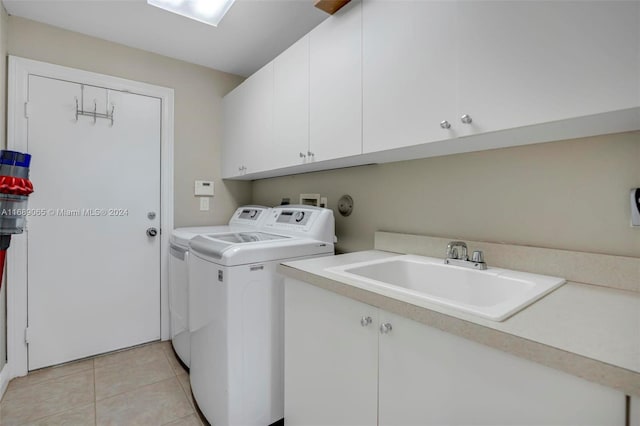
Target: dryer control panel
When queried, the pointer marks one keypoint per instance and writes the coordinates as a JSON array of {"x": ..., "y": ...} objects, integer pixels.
[{"x": 308, "y": 221}]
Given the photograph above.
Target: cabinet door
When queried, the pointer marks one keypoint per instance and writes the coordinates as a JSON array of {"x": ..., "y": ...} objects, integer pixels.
[
  {"x": 336, "y": 85},
  {"x": 258, "y": 126},
  {"x": 291, "y": 106},
  {"x": 528, "y": 62},
  {"x": 331, "y": 360},
  {"x": 248, "y": 125},
  {"x": 429, "y": 377},
  {"x": 409, "y": 72},
  {"x": 232, "y": 132}
]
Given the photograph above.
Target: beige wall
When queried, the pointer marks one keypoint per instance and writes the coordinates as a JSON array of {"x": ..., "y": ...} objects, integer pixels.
[
  {"x": 570, "y": 195},
  {"x": 198, "y": 108}
]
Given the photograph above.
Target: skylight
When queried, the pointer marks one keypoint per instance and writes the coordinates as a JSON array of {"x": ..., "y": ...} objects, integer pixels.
[{"x": 209, "y": 12}]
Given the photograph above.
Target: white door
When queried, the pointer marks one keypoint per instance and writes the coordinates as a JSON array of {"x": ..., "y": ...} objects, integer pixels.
[{"x": 93, "y": 272}]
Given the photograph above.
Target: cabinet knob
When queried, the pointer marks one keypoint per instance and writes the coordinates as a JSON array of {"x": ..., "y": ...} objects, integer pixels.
[
  {"x": 385, "y": 328},
  {"x": 303, "y": 155},
  {"x": 466, "y": 119},
  {"x": 445, "y": 124},
  {"x": 310, "y": 154},
  {"x": 365, "y": 321}
]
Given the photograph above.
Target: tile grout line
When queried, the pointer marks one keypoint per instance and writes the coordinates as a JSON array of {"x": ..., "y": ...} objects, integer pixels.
[
  {"x": 93, "y": 368},
  {"x": 56, "y": 413},
  {"x": 136, "y": 366},
  {"x": 45, "y": 380},
  {"x": 184, "y": 391},
  {"x": 132, "y": 389}
]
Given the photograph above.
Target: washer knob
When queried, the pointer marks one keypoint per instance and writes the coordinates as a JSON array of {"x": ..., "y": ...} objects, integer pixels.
[{"x": 299, "y": 216}]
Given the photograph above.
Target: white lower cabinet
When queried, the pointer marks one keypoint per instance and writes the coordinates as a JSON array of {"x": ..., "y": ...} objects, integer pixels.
[
  {"x": 430, "y": 377},
  {"x": 342, "y": 370},
  {"x": 331, "y": 360}
]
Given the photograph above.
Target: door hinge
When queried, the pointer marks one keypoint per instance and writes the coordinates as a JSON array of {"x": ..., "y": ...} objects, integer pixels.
[
  {"x": 26, "y": 110},
  {"x": 27, "y": 336}
]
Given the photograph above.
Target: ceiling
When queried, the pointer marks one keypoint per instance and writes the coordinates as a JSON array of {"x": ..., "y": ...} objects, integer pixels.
[{"x": 251, "y": 34}]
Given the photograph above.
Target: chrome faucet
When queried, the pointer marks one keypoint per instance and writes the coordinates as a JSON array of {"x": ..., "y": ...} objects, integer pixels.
[
  {"x": 457, "y": 250},
  {"x": 457, "y": 255}
]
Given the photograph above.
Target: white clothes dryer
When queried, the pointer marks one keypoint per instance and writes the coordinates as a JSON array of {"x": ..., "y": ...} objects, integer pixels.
[
  {"x": 246, "y": 217},
  {"x": 237, "y": 313}
]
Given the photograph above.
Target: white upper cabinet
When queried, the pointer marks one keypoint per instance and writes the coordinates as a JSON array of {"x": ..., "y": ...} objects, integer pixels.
[
  {"x": 531, "y": 62},
  {"x": 409, "y": 72},
  {"x": 291, "y": 106},
  {"x": 232, "y": 132},
  {"x": 336, "y": 85},
  {"x": 248, "y": 125},
  {"x": 391, "y": 80}
]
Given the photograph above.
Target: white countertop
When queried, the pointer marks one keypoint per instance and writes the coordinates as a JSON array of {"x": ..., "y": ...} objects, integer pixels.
[{"x": 586, "y": 330}]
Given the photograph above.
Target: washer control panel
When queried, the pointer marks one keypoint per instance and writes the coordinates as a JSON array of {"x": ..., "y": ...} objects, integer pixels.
[{"x": 249, "y": 215}]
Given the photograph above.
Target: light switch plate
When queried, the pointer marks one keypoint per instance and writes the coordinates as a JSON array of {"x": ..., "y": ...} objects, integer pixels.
[
  {"x": 204, "y": 204},
  {"x": 203, "y": 188},
  {"x": 635, "y": 207}
]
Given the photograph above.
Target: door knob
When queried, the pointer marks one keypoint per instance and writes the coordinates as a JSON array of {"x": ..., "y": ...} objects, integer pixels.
[{"x": 152, "y": 232}]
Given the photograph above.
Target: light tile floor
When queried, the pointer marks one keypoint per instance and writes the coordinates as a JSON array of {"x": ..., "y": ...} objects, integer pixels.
[{"x": 145, "y": 385}]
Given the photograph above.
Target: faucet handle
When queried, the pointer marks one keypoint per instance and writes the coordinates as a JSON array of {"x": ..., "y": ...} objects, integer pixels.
[
  {"x": 457, "y": 250},
  {"x": 477, "y": 256}
]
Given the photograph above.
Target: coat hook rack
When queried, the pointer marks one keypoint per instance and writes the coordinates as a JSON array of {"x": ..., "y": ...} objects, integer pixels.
[{"x": 94, "y": 113}]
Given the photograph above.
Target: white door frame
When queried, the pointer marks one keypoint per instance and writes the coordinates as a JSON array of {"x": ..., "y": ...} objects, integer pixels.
[{"x": 17, "y": 110}]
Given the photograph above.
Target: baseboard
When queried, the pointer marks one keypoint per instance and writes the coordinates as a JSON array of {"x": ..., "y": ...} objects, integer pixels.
[{"x": 4, "y": 380}]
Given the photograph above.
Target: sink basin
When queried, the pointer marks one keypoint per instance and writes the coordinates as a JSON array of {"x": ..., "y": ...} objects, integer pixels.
[{"x": 494, "y": 293}]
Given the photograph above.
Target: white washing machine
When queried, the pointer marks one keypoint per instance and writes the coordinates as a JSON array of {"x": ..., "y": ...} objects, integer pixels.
[
  {"x": 236, "y": 315},
  {"x": 246, "y": 217}
]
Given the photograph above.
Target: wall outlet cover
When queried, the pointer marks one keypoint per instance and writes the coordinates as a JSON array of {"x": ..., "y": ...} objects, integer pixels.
[{"x": 310, "y": 199}]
